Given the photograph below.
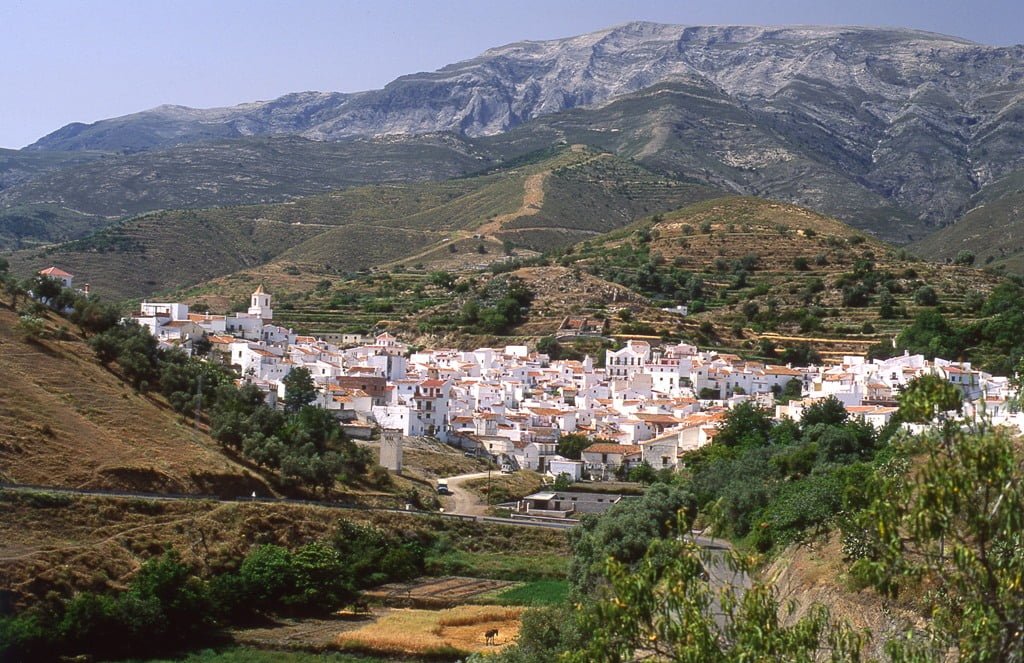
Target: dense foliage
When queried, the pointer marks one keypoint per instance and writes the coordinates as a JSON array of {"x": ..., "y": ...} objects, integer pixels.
[
  {"x": 306, "y": 446},
  {"x": 624, "y": 532},
  {"x": 992, "y": 342},
  {"x": 770, "y": 482},
  {"x": 950, "y": 526},
  {"x": 168, "y": 607}
]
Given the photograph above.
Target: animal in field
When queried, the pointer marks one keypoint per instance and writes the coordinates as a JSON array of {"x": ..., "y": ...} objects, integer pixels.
[
  {"x": 360, "y": 607},
  {"x": 490, "y": 635}
]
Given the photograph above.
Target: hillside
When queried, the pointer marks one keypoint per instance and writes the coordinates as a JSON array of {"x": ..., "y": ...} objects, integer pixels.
[
  {"x": 57, "y": 204},
  {"x": 775, "y": 271},
  {"x": 993, "y": 229},
  {"x": 912, "y": 123},
  {"x": 569, "y": 195},
  {"x": 67, "y": 421},
  {"x": 758, "y": 276}
]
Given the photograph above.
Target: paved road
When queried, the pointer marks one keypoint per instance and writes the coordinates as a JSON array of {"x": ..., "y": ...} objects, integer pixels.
[{"x": 163, "y": 497}]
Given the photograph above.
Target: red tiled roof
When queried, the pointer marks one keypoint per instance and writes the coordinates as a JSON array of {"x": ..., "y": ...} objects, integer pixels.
[
  {"x": 604, "y": 448},
  {"x": 56, "y": 272}
]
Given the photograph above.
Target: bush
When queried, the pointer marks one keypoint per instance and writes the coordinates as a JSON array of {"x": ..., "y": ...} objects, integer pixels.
[{"x": 926, "y": 296}]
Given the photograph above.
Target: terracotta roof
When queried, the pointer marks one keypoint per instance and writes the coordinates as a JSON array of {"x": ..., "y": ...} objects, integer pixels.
[
  {"x": 604, "y": 448},
  {"x": 56, "y": 272},
  {"x": 666, "y": 419},
  {"x": 781, "y": 370},
  {"x": 546, "y": 411}
]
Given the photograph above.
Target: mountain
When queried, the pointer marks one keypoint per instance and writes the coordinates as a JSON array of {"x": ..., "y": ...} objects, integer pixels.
[{"x": 919, "y": 118}]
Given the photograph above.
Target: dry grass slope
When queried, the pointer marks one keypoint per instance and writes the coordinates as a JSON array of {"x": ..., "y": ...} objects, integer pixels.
[{"x": 67, "y": 421}]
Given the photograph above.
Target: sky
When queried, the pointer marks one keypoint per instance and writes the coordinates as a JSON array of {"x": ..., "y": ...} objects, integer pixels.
[{"x": 65, "y": 61}]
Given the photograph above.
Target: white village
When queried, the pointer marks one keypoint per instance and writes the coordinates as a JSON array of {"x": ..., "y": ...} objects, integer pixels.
[{"x": 647, "y": 404}]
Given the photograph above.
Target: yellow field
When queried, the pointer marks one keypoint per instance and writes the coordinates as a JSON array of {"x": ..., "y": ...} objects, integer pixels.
[{"x": 426, "y": 631}]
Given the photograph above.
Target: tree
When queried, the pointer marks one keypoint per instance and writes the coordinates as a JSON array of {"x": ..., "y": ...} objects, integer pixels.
[
  {"x": 46, "y": 288},
  {"x": 643, "y": 473},
  {"x": 299, "y": 389},
  {"x": 572, "y": 445},
  {"x": 829, "y": 411},
  {"x": 955, "y": 526},
  {"x": 562, "y": 482},
  {"x": 792, "y": 391},
  {"x": 927, "y": 396},
  {"x": 746, "y": 425},
  {"x": 624, "y": 532},
  {"x": 965, "y": 258},
  {"x": 926, "y": 296},
  {"x": 663, "y": 609},
  {"x": 549, "y": 346}
]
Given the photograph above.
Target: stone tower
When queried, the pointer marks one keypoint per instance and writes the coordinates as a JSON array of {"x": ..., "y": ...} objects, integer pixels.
[
  {"x": 259, "y": 305},
  {"x": 391, "y": 450}
]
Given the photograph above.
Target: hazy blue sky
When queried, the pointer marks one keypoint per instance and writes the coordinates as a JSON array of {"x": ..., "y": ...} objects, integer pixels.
[{"x": 71, "y": 60}]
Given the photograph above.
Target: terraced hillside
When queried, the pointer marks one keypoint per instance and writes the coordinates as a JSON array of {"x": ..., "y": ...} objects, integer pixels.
[
  {"x": 757, "y": 276},
  {"x": 572, "y": 194},
  {"x": 66, "y": 421},
  {"x": 776, "y": 271}
]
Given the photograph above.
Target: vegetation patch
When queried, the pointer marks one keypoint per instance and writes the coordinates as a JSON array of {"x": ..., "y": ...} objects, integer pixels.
[{"x": 536, "y": 593}]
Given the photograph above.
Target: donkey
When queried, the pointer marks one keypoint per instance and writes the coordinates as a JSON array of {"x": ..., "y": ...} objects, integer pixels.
[{"x": 490, "y": 635}]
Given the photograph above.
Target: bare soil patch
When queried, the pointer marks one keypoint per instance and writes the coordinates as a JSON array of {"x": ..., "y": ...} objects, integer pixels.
[{"x": 443, "y": 592}]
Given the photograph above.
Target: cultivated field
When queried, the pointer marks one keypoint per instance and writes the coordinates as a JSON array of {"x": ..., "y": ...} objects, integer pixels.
[
  {"x": 428, "y": 632},
  {"x": 443, "y": 592}
]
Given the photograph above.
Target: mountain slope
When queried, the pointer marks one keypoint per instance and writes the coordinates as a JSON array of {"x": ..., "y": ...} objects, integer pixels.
[
  {"x": 66, "y": 421},
  {"x": 64, "y": 204},
  {"x": 992, "y": 230},
  {"x": 583, "y": 193}
]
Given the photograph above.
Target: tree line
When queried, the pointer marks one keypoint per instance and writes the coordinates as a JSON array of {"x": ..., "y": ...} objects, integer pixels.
[{"x": 169, "y": 607}]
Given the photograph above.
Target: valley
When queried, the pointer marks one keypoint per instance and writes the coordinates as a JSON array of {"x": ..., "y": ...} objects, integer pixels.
[{"x": 659, "y": 342}]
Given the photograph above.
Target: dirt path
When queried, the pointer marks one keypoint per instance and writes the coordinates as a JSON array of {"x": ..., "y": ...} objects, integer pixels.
[
  {"x": 466, "y": 502},
  {"x": 533, "y": 200}
]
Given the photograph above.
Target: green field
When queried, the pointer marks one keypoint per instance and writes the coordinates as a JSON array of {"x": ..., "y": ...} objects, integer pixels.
[{"x": 536, "y": 593}]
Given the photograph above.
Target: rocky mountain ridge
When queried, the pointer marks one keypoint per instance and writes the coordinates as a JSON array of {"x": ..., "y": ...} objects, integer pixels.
[
  {"x": 923, "y": 119},
  {"x": 892, "y": 130}
]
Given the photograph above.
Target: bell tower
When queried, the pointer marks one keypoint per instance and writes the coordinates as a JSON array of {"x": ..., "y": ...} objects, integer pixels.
[{"x": 259, "y": 305}]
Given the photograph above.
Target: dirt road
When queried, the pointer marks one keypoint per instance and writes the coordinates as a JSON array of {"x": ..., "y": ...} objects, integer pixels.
[{"x": 463, "y": 501}]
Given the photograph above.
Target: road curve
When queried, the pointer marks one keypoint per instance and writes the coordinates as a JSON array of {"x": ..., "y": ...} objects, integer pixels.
[{"x": 462, "y": 501}]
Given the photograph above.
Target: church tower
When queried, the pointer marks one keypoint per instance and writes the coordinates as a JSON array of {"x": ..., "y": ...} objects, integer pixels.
[{"x": 260, "y": 305}]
